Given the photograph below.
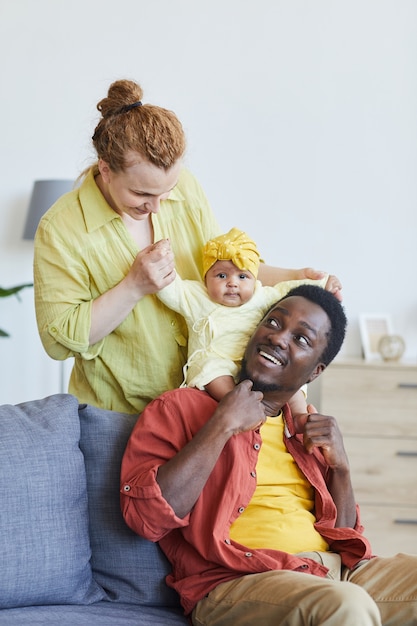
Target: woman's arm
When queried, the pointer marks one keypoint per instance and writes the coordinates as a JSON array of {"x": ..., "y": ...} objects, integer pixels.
[
  {"x": 152, "y": 270},
  {"x": 269, "y": 275}
]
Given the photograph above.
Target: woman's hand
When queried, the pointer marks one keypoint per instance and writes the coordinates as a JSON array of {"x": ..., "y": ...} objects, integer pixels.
[
  {"x": 269, "y": 275},
  {"x": 153, "y": 269},
  {"x": 333, "y": 283},
  {"x": 334, "y": 286}
]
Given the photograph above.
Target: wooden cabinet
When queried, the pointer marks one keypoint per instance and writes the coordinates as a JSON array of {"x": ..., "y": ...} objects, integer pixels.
[{"x": 376, "y": 406}]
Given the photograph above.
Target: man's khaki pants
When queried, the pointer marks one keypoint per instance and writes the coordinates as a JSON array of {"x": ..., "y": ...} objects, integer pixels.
[{"x": 379, "y": 591}]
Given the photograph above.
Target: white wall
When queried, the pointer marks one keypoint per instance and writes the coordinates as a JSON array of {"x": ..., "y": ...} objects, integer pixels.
[{"x": 301, "y": 123}]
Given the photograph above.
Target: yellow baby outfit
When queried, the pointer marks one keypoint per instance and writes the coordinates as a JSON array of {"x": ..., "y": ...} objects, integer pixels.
[{"x": 218, "y": 334}]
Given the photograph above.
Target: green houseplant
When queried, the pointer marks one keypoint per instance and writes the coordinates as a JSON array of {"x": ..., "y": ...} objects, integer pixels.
[{"x": 12, "y": 291}]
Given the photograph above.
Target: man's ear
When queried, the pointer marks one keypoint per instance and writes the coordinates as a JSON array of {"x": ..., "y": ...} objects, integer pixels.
[{"x": 320, "y": 367}]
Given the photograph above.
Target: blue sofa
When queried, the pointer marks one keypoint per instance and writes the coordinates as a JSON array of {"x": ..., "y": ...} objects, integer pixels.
[{"x": 67, "y": 557}]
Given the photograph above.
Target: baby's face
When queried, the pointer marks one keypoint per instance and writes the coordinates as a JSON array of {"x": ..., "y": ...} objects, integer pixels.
[{"x": 228, "y": 285}]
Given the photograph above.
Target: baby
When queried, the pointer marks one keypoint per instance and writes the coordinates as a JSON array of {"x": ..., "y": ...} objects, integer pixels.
[{"x": 222, "y": 313}]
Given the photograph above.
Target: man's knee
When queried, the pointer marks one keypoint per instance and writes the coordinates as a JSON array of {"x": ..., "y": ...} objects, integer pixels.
[
  {"x": 255, "y": 599},
  {"x": 350, "y": 604}
]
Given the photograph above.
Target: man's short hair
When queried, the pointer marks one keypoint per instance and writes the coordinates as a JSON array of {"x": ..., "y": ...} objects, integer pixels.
[{"x": 335, "y": 312}]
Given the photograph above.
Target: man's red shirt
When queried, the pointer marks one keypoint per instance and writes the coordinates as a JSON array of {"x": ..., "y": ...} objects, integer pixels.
[{"x": 199, "y": 546}]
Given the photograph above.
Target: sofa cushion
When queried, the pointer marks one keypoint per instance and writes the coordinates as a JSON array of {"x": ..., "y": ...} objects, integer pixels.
[
  {"x": 128, "y": 567},
  {"x": 99, "y": 614},
  {"x": 44, "y": 543}
]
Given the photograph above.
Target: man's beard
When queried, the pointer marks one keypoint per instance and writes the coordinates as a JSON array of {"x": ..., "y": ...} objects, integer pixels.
[{"x": 257, "y": 385}]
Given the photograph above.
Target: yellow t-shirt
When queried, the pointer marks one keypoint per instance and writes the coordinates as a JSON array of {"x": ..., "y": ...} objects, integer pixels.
[
  {"x": 82, "y": 249},
  {"x": 280, "y": 514}
]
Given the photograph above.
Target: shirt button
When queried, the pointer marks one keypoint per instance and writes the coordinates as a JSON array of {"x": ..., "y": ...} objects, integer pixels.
[
  {"x": 253, "y": 474},
  {"x": 227, "y": 541},
  {"x": 126, "y": 488},
  {"x": 241, "y": 509},
  {"x": 248, "y": 554},
  {"x": 257, "y": 446}
]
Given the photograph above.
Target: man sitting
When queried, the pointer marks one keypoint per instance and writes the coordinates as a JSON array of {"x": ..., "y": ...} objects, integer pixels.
[{"x": 255, "y": 509}]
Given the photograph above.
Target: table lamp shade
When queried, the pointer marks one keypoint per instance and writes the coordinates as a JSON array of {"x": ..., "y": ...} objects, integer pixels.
[{"x": 44, "y": 194}]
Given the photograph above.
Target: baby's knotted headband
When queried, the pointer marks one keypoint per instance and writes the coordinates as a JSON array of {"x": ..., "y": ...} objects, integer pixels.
[{"x": 234, "y": 246}]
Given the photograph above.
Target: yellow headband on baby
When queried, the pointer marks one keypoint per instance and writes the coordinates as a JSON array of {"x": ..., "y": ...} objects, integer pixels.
[{"x": 234, "y": 246}]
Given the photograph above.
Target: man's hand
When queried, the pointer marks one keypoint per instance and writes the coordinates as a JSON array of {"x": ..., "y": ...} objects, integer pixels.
[
  {"x": 182, "y": 478},
  {"x": 322, "y": 431},
  {"x": 241, "y": 409}
]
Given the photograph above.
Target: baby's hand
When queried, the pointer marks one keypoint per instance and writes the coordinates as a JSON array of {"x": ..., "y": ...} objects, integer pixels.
[
  {"x": 163, "y": 246},
  {"x": 153, "y": 269}
]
